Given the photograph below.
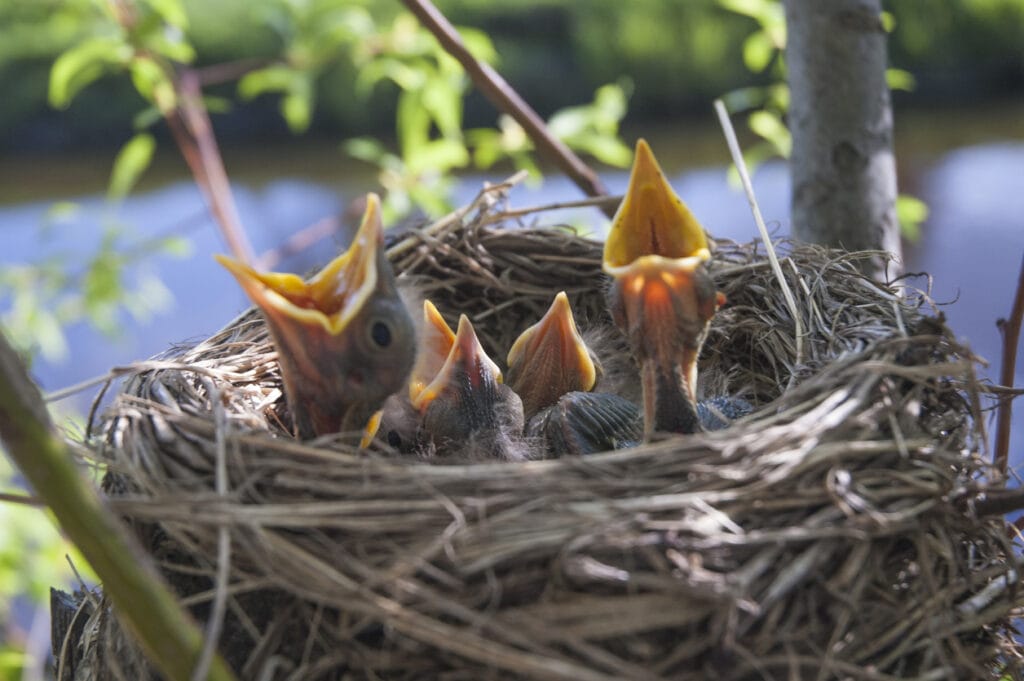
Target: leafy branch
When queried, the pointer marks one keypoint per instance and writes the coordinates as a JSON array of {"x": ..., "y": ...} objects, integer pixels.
[{"x": 143, "y": 601}]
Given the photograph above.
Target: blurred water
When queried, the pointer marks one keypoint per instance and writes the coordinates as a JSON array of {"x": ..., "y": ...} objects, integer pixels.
[{"x": 972, "y": 246}]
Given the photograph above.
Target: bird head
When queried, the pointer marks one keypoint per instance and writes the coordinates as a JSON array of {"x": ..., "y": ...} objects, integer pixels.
[
  {"x": 344, "y": 338},
  {"x": 467, "y": 405},
  {"x": 662, "y": 295},
  {"x": 550, "y": 359}
]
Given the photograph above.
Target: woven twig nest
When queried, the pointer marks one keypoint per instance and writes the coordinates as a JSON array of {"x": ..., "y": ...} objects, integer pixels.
[{"x": 828, "y": 535}]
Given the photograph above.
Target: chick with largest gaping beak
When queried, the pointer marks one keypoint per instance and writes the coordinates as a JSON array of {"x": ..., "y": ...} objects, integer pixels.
[
  {"x": 662, "y": 296},
  {"x": 344, "y": 339}
]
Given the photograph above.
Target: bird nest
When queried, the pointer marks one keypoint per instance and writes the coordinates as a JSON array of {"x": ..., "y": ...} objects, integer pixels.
[{"x": 832, "y": 533}]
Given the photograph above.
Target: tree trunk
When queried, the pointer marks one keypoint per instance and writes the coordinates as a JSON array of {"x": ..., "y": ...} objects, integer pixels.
[{"x": 843, "y": 169}]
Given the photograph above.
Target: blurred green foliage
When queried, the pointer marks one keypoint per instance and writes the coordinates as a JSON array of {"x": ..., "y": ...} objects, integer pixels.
[
  {"x": 39, "y": 300},
  {"x": 679, "y": 53},
  {"x": 33, "y": 557},
  {"x": 150, "y": 41}
]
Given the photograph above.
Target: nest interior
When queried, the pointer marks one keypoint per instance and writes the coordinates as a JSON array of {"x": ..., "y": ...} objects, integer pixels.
[{"x": 831, "y": 534}]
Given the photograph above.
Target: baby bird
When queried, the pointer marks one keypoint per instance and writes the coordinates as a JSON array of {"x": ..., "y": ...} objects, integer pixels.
[
  {"x": 553, "y": 370},
  {"x": 466, "y": 410},
  {"x": 344, "y": 339},
  {"x": 662, "y": 296}
]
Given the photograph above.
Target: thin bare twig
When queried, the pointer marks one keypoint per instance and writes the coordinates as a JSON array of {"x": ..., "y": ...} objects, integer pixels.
[
  {"x": 215, "y": 74},
  {"x": 500, "y": 93},
  {"x": 194, "y": 135},
  {"x": 23, "y": 499},
  {"x": 1000, "y": 502},
  {"x": 741, "y": 166},
  {"x": 1011, "y": 336}
]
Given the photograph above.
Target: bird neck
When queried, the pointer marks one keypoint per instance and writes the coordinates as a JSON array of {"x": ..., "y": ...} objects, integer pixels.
[{"x": 668, "y": 405}]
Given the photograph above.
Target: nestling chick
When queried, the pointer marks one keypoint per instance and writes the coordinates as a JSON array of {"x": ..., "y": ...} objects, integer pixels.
[{"x": 344, "y": 339}]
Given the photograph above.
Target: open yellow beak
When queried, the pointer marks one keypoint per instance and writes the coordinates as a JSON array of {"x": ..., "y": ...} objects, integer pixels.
[
  {"x": 334, "y": 295},
  {"x": 467, "y": 369},
  {"x": 661, "y": 296},
  {"x": 652, "y": 219},
  {"x": 331, "y": 331},
  {"x": 436, "y": 341},
  {"x": 550, "y": 359}
]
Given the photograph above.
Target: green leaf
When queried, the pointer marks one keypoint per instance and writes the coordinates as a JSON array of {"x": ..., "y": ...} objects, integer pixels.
[
  {"x": 609, "y": 150},
  {"x": 216, "y": 104},
  {"x": 898, "y": 79},
  {"x": 276, "y": 78},
  {"x": 439, "y": 156},
  {"x": 412, "y": 124},
  {"x": 171, "y": 11},
  {"x": 911, "y": 212},
  {"x": 169, "y": 43},
  {"x": 758, "y": 51},
  {"x": 176, "y": 246},
  {"x": 132, "y": 160},
  {"x": 365, "y": 149},
  {"x": 49, "y": 335},
  {"x": 444, "y": 102},
  {"x": 769, "y": 126},
  {"x": 297, "y": 109},
  {"x": 153, "y": 83},
  {"x": 479, "y": 45},
  {"x": 82, "y": 64}
]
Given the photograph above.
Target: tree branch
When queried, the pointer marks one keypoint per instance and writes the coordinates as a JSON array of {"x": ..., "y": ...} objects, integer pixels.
[
  {"x": 1011, "y": 336},
  {"x": 1000, "y": 502},
  {"x": 142, "y": 600},
  {"x": 507, "y": 100},
  {"x": 193, "y": 132}
]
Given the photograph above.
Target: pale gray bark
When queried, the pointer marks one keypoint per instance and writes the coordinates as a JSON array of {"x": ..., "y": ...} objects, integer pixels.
[{"x": 843, "y": 169}]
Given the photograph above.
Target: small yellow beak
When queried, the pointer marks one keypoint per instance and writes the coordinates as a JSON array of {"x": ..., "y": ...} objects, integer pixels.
[
  {"x": 550, "y": 359},
  {"x": 652, "y": 219},
  {"x": 466, "y": 369},
  {"x": 436, "y": 341}
]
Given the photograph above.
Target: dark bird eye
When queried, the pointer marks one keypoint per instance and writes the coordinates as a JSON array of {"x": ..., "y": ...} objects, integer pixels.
[{"x": 381, "y": 334}]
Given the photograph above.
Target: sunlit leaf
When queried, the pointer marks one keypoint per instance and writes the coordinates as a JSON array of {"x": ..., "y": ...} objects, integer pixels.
[
  {"x": 365, "y": 149},
  {"x": 610, "y": 100},
  {"x": 152, "y": 82},
  {"x": 609, "y": 150},
  {"x": 276, "y": 78},
  {"x": 171, "y": 43},
  {"x": 888, "y": 22},
  {"x": 444, "y": 103},
  {"x": 146, "y": 118},
  {"x": 769, "y": 126},
  {"x": 131, "y": 161},
  {"x": 911, "y": 212},
  {"x": 296, "y": 107},
  {"x": 758, "y": 51},
  {"x": 479, "y": 45},
  {"x": 439, "y": 156},
  {"x": 568, "y": 122},
  {"x": 412, "y": 124},
  {"x": 176, "y": 246},
  {"x": 82, "y": 64},
  {"x": 170, "y": 11},
  {"x": 898, "y": 79},
  {"x": 48, "y": 334}
]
